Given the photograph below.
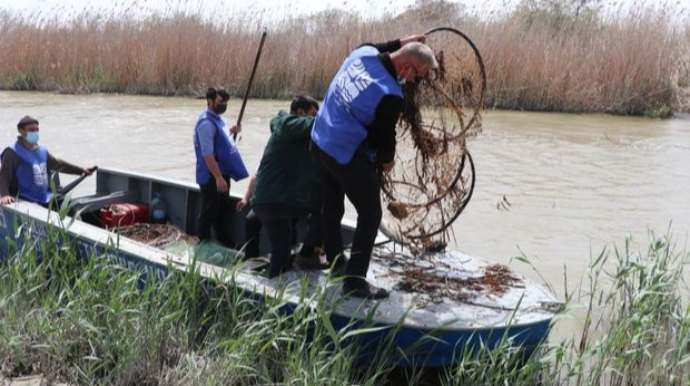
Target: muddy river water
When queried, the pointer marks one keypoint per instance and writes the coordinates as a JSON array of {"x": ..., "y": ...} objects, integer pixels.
[{"x": 570, "y": 184}]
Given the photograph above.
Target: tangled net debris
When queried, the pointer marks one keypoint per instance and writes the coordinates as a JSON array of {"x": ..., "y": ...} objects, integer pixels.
[
  {"x": 496, "y": 280},
  {"x": 155, "y": 235},
  {"x": 434, "y": 175},
  {"x": 436, "y": 277}
]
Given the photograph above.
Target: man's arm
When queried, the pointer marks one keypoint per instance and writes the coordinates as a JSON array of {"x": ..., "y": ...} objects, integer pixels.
[
  {"x": 212, "y": 166},
  {"x": 389, "y": 46},
  {"x": 7, "y": 168},
  {"x": 383, "y": 128},
  {"x": 62, "y": 166},
  {"x": 394, "y": 45},
  {"x": 241, "y": 204}
]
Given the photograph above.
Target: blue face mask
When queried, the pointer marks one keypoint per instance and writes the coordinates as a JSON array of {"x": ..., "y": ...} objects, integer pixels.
[
  {"x": 401, "y": 79},
  {"x": 32, "y": 137}
]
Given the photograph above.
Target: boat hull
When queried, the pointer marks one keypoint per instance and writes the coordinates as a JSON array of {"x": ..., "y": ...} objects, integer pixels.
[{"x": 418, "y": 337}]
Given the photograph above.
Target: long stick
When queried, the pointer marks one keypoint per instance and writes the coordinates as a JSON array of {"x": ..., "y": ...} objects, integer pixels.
[
  {"x": 251, "y": 80},
  {"x": 66, "y": 189}
]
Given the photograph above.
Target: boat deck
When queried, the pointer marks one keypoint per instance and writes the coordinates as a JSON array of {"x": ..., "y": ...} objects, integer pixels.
[{"x": 459, "y": 298}]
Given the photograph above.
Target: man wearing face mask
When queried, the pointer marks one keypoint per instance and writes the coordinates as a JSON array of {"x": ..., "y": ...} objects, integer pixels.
[
  {"x": 217, "y": 160},
  {"x": 26, "y": 167},
  {"x": 354, "y": 134}
]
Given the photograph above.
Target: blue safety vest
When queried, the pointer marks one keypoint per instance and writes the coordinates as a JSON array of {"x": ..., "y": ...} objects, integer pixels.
[
  {"x": 226, "y": 153},
  {"x": 32, "y": 174},
  {"x": 350, "y": 104}
]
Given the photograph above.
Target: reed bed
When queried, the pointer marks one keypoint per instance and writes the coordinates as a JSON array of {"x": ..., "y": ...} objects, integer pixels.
[
  {"x": 542, "y": 55},
  {"x": 93, "y": 323}
]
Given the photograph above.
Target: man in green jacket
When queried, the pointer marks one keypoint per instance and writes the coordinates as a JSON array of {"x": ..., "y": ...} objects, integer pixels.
[{"x": 287, "y": 187}]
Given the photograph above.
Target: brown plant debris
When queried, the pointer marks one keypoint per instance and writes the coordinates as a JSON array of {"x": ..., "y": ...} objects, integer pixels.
[
  {"x": 433, "y": 179},
  {"x": 398, "y": 210},
  {"x": 496, "y": 280},
  {"x": 155, "y": 235}
]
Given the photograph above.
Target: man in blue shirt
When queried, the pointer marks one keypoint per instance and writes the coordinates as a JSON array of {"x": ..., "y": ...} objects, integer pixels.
[
  {"x": 217, "y": 160},
  {"x": 353, "y": 136},
  {"x": 26, "y": 167}
]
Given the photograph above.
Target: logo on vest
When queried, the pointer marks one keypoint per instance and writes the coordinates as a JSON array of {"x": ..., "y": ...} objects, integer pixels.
[
  {"x": 40, "y": 174},
  {"x": 351, "y": 83}
]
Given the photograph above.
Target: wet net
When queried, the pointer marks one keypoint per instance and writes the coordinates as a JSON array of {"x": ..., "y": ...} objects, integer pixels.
[
  {"x": 155, "y": 235},
  {"x": 434, "y": 173}
]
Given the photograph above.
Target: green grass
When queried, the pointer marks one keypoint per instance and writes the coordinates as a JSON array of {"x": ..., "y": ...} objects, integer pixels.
[
  {"x": 662, "y": 112},
  {"x": 88, "y": 323},
  {"x": 85, "y": 322}
]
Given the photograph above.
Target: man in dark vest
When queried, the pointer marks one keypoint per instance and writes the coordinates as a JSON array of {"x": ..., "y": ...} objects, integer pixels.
[
  {"x": 26, "y": 167},
  {"x": 217, "y": 160},
  {"x": 354, "y": 134},
  {"x": 287, "y": 187}
]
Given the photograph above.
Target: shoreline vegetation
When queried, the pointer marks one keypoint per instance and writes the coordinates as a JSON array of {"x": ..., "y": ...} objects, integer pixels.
[
  {"x": 570, "y": 56},
  {"x": 81, "y": 322}
]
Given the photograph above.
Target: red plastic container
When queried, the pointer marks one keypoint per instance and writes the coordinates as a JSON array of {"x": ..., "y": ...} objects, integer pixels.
[{"x": 124, "y": 214}]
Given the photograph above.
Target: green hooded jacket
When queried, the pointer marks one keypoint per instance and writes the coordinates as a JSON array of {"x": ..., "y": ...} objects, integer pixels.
[{"x": 286, "y": 174}]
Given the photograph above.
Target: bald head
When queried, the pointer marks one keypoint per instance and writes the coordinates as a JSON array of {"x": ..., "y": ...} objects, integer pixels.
[
  {"x": 420, "y": 53},
  {"x": 413, "y": 60}
]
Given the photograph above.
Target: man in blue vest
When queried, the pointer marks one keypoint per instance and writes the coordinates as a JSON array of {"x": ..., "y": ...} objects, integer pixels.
[
  {"x": 217, "y": 160},
  {"x": 354, "y": 135},
  {"x": 26, "y": 167}
]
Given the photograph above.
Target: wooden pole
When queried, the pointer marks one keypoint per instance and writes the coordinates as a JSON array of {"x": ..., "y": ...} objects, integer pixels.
[{"x": 251, "y": 80}]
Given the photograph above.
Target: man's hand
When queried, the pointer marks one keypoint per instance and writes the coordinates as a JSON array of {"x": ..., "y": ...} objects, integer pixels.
[
  {"x": 6, "y": 200},
  {"x": 241, "y": 204},
  {"x": 86, "y": 171},
  {"x": 387, "y": 167},
  {"x": 221, "y": 185},
  {"x": 236, "y": 129},
  {"x": 413, "y": 38}
]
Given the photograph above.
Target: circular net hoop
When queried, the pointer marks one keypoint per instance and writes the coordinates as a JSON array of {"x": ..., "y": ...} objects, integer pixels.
[{"x": 434, "y": 174}]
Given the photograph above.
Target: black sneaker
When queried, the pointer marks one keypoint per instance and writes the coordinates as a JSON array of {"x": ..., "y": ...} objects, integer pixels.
[{"x": 366, "y": 291}]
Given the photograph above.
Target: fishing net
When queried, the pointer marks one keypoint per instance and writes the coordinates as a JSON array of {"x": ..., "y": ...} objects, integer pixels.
[
  {"x": 434, "y": 174},
  {"x": 176, "y": 242},
  {"x": 155, "y": 235}
]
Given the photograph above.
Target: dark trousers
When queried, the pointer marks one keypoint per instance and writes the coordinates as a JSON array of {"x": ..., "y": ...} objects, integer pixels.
[
  {"x": 359, "y": 181},
  {"x": 278, "y": 220},
  {"x": 252, "y": 233},
  {"x": 215, "y": 208}
]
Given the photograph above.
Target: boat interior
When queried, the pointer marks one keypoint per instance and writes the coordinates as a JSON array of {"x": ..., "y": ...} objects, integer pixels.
[{"x": 182, "y": 202}]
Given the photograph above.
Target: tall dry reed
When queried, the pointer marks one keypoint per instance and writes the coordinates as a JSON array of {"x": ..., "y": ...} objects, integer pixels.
[{"x": 626, "y": 62}]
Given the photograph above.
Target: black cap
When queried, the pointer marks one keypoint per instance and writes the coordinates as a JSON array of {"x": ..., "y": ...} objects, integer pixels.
[{"x": 27, "y": 120}]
